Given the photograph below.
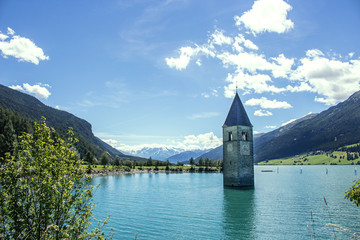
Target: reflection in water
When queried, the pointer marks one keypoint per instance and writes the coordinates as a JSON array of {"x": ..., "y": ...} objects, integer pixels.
[{"x": 238, "y": 214}]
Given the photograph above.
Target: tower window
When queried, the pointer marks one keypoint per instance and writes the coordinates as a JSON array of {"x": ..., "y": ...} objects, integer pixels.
[
  {"x": 244, "y": 136},
  {"x": 230, "y": 136}
]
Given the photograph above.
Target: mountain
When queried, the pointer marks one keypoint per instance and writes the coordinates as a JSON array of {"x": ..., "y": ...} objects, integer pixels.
[
  {"x": 333, "y": 128},
  {"x": 265, "y": 137},
  {"x": 185, "y": 156},
  {"x": 156, "y": 153},
  {"x": 214, "y": 154},
  {"x": 31, "y": 108}
]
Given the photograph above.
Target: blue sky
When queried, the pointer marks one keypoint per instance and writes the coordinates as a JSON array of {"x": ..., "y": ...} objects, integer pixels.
[{"x": 157, "y": 73}]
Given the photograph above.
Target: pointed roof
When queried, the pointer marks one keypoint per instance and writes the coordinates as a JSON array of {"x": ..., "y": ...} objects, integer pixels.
[{"x": 237, "y": 114}]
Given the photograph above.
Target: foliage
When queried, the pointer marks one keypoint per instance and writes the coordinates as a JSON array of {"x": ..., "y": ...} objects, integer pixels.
[
  {"x": 45, "y": 193},
  {"x": 89, "y": 158},
  {"x": 201, "y": 162},
  {"x": 149, "y": 162},
  {"x": 117, "y": 161},
  {"x": 11, "y": 126},
  {"x": 353, "y": 194},
  {"x": 167, "y": 168},
  {"x": 192, "y": 161},
  {"x": 104, "y": 159}
]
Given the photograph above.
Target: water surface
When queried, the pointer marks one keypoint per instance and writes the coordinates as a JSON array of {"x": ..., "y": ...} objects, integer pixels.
[{"x": 197, "y": 206}]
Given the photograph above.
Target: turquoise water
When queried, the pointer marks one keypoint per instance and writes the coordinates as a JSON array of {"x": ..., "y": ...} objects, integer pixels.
[{"x": 196, "y": 205}]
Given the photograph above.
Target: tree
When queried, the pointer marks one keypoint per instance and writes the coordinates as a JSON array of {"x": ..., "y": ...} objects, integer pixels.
[
  {"x": 167, "y": 165},
  {"x": 7, "y": 139},
  {"x": 207, "y": 162},
  {"x": 149, "y": 162},
  {"x": 104, "y": 159},
  {"x": 201, "y": 162},
  {"x": 45, "y": 192},
  {"x": 128, "y": 163},
  {"x": 353, "y": 194},
  {"x": 89, "y": 158},
  {"x": 192, "y": 161},
  {"x": 117, "y": 161}
]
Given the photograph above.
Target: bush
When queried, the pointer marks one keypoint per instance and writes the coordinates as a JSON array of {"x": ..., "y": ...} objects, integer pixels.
[
  {"x": 45, "y": 192},
  {"x": 127, "y": 169}
]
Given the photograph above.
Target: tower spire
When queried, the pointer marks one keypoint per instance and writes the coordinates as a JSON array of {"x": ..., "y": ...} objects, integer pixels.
[{"x": 236, "y": 84}]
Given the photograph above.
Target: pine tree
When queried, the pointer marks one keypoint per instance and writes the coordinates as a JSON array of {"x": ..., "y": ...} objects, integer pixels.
[
  {"x": 192, "y": 161},
  {"x": 7, "y": 139}
]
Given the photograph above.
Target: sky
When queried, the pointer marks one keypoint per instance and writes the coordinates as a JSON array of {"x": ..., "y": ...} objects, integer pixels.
[{"x": 164, "y": 73}]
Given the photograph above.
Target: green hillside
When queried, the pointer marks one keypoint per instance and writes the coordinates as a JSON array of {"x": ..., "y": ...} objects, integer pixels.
[
  {"x": 333, "y": 128},
  {"x": 28, "y": 109},
  {"x": 348, "y": 155}
]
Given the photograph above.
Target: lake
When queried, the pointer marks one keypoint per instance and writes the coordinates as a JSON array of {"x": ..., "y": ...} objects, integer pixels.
[{"x": 197, "y": 206}]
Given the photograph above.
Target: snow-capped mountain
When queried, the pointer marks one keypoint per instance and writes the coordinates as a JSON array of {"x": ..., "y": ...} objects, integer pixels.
[{"x": 156, "y": 153}]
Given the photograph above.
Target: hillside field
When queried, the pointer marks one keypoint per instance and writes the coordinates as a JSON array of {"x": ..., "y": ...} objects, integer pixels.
[{"x": 335, "y": 158}]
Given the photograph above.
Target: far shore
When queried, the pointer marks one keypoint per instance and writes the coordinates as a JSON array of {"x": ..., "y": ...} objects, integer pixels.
[{"x": 108, "y": 172}]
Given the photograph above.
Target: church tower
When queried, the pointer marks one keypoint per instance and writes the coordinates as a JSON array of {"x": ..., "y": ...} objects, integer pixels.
[{"x": 238, "y": 151}]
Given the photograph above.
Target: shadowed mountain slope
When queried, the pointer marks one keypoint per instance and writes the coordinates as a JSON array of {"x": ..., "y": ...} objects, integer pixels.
[{"x": 31, "y": 108}]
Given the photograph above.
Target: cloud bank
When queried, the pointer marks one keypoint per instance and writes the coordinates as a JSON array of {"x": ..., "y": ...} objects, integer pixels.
[{"x": 331, "y": 77}]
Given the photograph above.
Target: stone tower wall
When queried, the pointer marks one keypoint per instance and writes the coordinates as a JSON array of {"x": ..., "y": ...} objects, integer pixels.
[{"x": 238, "y": 156}]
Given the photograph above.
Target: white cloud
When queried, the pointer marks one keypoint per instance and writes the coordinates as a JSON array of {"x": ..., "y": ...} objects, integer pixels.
[
  {"x": 58, "y": 107},
  {"x": 16, "y": 87},
  {"x": 10, "y": 31},
  {"x": 312, "y": 53},
  {"x": 218, "y": 38},
  {"x": 351, "y": 54},
  {"x": 183, "y": 60},
  {"x": 281, "y": 67},
  {"x": 262, "y": 113},
  {"x": 205, "y": 95},
  {"x": 213, "y": 93},
  {"x": 36, "y": 90},
  {"x": 333, "y": 79},
  {"x": 203, "y": 141},
  {"x": 266, "y": 16},
  {"x": 267, "y": 104},
  {"x": 258, "y": 83},
  {"x": 20, "y": 48},
  {"x": 187, "y": 143},
  {"x": 3, "y": 37},
  {"x": 245, "y": 60},
  {"x": 186, "y": 54},
  {"x": 240, "y": 39},
  {"x": 270, "y": 127},
  {"x": 203, "y": 115},
  {"x": 303, "y": 87}
]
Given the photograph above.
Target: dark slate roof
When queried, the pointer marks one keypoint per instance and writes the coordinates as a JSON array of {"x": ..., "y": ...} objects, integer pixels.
[{"x": 237, "y": 114}]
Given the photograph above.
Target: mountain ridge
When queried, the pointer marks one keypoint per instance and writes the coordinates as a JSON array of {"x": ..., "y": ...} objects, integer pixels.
[
  {"x": 332, "y": 128},
  {"x": 33, "y": 109}
]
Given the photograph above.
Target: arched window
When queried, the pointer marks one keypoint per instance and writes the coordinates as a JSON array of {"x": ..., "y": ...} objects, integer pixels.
[
  {"x": 244, "y": 136},
  {"x": 230, "y": 136}
]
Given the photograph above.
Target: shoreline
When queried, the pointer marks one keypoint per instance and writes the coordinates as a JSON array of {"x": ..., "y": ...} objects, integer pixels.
[{"x": 136, "y": 171}]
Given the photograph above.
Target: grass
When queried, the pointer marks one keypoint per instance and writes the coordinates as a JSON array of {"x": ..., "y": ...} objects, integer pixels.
[{"x": 321, "y": 159}]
